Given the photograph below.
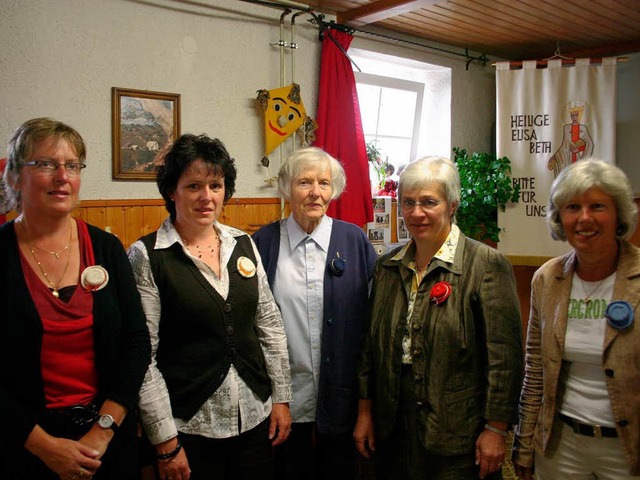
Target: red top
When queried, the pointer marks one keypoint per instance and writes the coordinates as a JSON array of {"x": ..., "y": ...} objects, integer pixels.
[{"x": 67, "y": 357}]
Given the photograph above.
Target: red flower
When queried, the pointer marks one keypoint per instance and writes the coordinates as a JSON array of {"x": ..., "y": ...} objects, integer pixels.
[
  {"x": 389, "y": 190},
  {"x": 440, "y": 292}
]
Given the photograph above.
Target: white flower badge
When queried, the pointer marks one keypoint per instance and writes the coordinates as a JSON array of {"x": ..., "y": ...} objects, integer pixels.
[
  {"x": 94, "y": 278},
  {"x": 246, "y": 267}
]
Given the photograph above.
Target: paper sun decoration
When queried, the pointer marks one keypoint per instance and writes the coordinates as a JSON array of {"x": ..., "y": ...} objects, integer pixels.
[{"x": 284, "y": 113}]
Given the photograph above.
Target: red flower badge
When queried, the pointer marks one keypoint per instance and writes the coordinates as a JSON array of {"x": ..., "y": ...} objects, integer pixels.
[{"x": 440, "y": 292}]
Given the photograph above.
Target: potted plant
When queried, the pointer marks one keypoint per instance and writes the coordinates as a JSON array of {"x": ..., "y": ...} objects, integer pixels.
[
  {"x": 486, "y": 185},
  {"x": 384, "y": 186},
  {"x": 375, "y": 159}
]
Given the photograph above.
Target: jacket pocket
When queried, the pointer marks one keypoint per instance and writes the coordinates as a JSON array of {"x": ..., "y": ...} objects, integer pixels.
[{"x": 463, "y": 409}]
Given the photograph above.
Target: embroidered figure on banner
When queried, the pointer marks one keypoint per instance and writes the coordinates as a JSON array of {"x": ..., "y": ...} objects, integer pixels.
[{"x": 576, "y": 141}]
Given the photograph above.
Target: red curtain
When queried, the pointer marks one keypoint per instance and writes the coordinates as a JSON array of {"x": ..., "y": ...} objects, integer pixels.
[{"x": 340, "y": 128}]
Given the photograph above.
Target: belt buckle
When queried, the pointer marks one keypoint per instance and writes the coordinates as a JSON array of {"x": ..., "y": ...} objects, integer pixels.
[
  {"x": 575, "y": 426},
  {"x": 82, "y": 415},
  {"x": 597, "y": 431}
]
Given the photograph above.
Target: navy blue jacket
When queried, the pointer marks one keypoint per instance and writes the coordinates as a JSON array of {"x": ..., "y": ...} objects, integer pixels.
[{"x": 346, "y": 303}]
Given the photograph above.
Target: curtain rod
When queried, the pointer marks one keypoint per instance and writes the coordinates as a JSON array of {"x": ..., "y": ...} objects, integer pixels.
[
  {"x": 318, "y": 20},
  {"x": 565, "y": 61}
]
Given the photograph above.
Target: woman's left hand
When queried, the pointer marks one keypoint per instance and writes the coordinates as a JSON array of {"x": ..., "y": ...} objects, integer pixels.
[
  {"x": 280, "y": 423},
  {"x": 489, "y": 452}
]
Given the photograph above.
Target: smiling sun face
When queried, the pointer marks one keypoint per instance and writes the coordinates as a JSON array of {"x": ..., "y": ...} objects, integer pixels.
[{"x": 284, "y": 113}]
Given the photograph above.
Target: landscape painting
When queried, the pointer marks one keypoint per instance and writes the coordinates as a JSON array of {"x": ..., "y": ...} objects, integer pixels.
[{"x": 145, "y": 125}]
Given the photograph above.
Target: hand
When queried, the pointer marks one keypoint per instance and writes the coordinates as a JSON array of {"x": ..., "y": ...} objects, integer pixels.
[
  {"x": 280, "y": 423},
  {"x": 175, "y": 468},
  {"x": 489, "y": 452},
  {"x": 524, "y": 473},
  {"x": 98, "y": 439},
  {"x": 67, "y": 458},
  {"x": 363, "y": 434}
]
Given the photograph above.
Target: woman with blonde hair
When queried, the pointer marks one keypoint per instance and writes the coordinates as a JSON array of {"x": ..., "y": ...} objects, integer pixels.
[{"x": 74, "y": 345}]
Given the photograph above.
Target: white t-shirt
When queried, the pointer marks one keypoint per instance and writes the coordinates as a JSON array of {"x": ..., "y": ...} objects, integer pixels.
[{"x": 586, "y": 397}]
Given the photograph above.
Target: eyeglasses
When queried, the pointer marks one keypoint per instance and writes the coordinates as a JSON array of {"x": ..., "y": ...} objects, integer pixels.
[
  {"x": 49, "y": 167},
  {"x": 407, "y": 205}
]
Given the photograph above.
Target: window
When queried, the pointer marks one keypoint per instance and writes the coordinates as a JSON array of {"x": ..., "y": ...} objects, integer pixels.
[{"x": 405, "y": 107}]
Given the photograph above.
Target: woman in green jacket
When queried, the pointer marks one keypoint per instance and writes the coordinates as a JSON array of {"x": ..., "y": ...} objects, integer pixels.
[{"x": 442, "y": 363}]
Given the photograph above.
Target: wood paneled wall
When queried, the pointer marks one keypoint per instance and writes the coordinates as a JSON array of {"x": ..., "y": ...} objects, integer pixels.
[{"x": 131, "y": 219}]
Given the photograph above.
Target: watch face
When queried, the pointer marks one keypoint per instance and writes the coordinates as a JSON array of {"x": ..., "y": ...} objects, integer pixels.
[{"x": 105, "y": 421}]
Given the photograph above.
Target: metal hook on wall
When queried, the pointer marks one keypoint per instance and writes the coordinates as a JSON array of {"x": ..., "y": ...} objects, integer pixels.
[{"x": 482, "y": 59}]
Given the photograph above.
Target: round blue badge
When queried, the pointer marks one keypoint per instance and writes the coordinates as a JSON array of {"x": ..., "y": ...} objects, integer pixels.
[
  {"x": 619, "y": 314},
  {"x": 337, "y": 266}
]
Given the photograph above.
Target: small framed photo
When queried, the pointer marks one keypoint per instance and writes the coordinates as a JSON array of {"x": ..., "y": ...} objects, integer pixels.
[{"x": 145, "y": 125}]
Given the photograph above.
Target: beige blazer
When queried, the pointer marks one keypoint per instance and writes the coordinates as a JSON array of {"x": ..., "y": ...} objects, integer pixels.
[{"x": 538, "y": 428}]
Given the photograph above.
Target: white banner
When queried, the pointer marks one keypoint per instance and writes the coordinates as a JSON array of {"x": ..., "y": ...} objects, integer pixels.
[{"x": 548, "y": 118}]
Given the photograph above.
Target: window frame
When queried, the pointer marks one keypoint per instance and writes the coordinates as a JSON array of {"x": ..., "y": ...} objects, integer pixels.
[{"x": 399, "y": 84}]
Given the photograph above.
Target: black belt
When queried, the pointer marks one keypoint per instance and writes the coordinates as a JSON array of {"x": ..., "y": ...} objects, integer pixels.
[
  {"x": 589, "y": 430},
  {"x": 78, "y": 414}
]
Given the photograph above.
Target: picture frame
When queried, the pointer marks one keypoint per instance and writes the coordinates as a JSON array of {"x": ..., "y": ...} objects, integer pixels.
[{"x": 144, "y": 126}]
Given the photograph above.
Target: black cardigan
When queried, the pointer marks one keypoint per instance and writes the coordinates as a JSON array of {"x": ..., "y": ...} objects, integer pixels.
[{"x": 121, "y": 338}]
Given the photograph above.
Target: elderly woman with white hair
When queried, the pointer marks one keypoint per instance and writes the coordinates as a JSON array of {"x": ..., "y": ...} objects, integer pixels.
[
  {"x": 441, "y": 369},
  {"x": 319, "y": 269},
  {"x": 580, "y": 402}
]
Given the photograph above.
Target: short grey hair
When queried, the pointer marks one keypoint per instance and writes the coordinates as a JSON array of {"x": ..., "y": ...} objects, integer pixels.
[
  {"x": 579, "y": 177},
  {"x": 425, "y": 171},
  {"x": 310, "y": 157}
]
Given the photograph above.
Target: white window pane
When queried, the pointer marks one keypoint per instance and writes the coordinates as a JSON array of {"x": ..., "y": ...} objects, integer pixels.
[
  {"x": 397, "y": 112},
  {"x": 396, "y": 150},
  {"x": 369, "y": 100}
]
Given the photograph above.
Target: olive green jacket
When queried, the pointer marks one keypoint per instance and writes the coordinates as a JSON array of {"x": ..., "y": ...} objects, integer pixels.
[
  {"x": 542, "y": 391},
  {"x": 466, "y": 352}
]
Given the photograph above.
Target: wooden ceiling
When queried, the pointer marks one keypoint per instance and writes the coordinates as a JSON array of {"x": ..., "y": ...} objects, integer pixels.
[{"x": 507, "y": 29}]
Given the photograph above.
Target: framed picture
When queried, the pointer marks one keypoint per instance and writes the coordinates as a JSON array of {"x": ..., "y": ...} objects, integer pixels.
[{"x": 145, "y": 125}]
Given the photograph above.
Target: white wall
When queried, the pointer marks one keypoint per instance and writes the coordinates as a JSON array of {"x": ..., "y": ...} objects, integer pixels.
[
  {"x": 628, "y": 125},
  {"x": 60, "y": 59}
]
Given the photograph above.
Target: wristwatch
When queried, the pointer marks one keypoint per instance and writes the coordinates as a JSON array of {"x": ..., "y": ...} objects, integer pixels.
[{"x": 107, "y": 421}]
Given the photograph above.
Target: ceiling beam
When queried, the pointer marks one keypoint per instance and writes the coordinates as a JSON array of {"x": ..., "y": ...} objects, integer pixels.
[{"x": 381, "y": 10}]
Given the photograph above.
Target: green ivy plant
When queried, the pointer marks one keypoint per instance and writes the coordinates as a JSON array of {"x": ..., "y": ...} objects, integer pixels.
[{"x": 486, "y": 185}]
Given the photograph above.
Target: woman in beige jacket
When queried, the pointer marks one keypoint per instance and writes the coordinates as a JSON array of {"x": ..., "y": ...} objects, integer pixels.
[{"x": 580, "y": 402}]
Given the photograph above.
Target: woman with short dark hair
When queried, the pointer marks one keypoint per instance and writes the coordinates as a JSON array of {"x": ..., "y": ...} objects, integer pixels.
[{"x": 215, "y": 398}]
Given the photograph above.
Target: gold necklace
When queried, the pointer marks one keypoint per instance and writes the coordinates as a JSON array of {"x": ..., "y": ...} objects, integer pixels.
[
  {"x": 588, "y": 296},
  {"x": 55, "y": 254},
  {"x": 54, "y": 288}
]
